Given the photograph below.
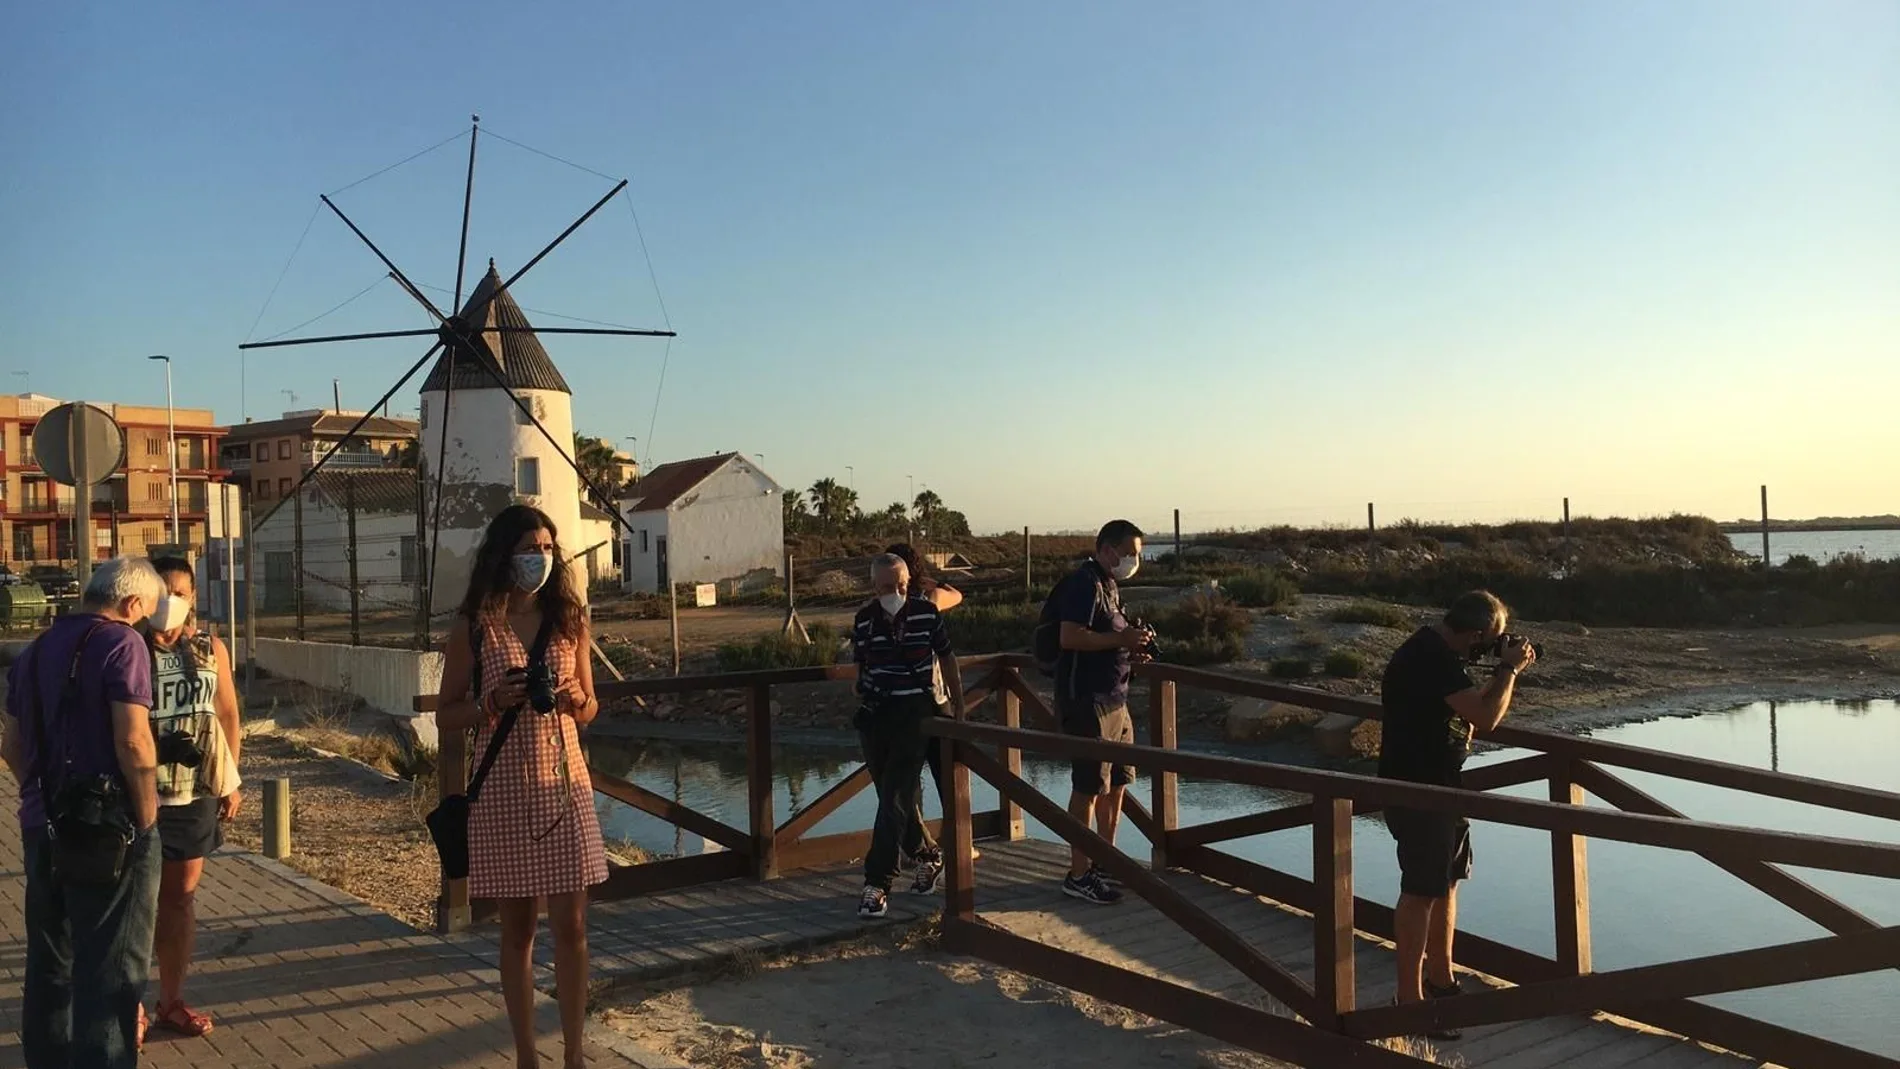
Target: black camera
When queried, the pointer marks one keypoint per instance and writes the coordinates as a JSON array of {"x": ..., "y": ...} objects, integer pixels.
[
  {"x": 1495, "y": 650},
  {"x": 177, "y": 747},
  {"x": 543, "y": 686},
  {"x": 1151, "y": 648}
]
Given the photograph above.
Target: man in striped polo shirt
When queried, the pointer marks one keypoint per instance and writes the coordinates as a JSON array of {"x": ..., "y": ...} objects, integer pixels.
[{"x": 897, "y": 640}]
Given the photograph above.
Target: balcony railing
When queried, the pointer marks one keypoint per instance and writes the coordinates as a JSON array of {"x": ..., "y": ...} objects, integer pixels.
[{"x": 358, "y": 460}]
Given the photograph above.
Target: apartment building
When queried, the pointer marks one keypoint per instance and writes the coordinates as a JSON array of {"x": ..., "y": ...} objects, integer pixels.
[
  {"x": 269, "y": 458},
  {"x": 128, "y": 512}
]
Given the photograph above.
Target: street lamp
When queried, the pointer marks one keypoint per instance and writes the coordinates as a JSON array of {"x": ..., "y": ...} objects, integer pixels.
[
  {"x": 852, "y": 474},
  {"x": 171, "y": 439}
]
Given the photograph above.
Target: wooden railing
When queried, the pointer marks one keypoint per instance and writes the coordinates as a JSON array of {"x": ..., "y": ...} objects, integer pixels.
[{"x": 1336, "y": 1028}]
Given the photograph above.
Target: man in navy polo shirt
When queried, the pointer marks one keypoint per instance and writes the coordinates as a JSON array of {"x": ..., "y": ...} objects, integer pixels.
[
  {"x": 1098, "y": 648},
  {"x": 78, "y": 710}
]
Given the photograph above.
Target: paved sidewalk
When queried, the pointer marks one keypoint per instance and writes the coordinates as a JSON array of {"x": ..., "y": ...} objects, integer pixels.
[{"x": 299, "y": 974}]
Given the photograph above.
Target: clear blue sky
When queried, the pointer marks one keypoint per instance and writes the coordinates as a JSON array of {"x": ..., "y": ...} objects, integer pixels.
[{"x": 1060, "y": 261}]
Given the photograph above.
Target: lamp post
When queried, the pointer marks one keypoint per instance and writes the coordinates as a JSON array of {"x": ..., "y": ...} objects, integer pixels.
[
  {"x": 171, "y": 440},
  {"x": 851, "y": 474}
]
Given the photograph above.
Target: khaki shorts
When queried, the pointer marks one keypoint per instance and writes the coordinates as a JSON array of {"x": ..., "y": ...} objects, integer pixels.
[{"x": 1110, "y": 723}]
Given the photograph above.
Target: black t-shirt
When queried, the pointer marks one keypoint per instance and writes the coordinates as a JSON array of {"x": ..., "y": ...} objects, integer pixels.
[{"x": 1423, "y": 740}]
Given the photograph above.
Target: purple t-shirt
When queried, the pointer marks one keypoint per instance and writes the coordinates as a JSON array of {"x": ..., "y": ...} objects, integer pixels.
[{"x": 115, "y": 667}]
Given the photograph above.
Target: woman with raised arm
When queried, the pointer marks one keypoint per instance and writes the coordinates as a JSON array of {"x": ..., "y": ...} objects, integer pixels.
[{"x": 516, "y": 666}]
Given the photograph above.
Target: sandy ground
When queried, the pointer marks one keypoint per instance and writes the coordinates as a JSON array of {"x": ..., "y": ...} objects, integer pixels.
[{"x": 882, "y": 1003}]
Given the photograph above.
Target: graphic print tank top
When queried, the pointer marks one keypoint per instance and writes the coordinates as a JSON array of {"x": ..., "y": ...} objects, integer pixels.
[{"x": 184, "y": 701}]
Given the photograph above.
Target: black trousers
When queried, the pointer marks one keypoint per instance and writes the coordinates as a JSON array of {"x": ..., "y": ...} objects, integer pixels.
[{"x": 895, "y": 754}]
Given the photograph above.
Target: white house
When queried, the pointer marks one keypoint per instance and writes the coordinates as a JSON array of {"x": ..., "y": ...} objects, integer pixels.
[
  {"x": 496, "y": 456},
  {"x": 715, "y": 519},
  {"x": 388, "y": 560}
]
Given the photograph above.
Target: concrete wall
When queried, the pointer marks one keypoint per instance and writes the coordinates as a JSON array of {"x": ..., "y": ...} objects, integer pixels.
[
  {"x": 387, "y": 679},
  {"x": 730, "y": 525},
  {"x": 485, "y": 439}
]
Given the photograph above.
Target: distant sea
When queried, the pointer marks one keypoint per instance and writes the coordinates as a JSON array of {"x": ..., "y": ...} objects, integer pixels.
[{"x": 1821, "y": 545}]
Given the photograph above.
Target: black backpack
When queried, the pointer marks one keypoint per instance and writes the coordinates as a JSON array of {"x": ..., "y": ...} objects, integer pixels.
[{"x": 1046, "y": 646}]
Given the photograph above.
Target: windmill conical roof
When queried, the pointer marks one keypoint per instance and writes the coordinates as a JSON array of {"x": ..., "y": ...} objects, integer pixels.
[{"x": 524, "y": 364}]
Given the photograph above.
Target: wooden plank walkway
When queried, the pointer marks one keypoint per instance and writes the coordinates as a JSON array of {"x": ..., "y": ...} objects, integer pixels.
[{"x": 299, "y": 974}]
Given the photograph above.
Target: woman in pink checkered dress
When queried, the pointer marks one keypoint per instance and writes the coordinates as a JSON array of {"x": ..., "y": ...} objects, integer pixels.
[{"x": 532, "y": 832}]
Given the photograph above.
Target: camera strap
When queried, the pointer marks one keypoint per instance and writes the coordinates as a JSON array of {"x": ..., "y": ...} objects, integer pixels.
[
  {"x": 539, "y": 652},
  {"x": 67, "y": 690}
]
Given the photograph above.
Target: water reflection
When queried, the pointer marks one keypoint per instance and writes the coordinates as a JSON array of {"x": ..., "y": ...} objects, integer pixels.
[{"x": 1647, "y": 904}]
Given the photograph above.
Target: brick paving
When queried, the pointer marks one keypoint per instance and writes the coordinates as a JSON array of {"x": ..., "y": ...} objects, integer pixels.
[{"x": 299, "y": 974}]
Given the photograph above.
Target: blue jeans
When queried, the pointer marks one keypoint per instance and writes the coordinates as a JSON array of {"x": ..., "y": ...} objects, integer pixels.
[{"x": 88, "y": 956}]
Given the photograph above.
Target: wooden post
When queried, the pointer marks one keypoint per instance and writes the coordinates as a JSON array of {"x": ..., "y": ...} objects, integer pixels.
[
  {"x": 673, "y": 614},
  {"x": 1010, "y": 812},
  {"x": 1569, "y": 882},
  {"x": 452, "y": 913},
  {"x": 296, "y": 576},
  {"x": 793, "y": 625},
  {"x": 1370, "y": 525},
  {"x": 421, "y": 564},
  {"x": 959, "y": 890},
  {"x": 250, "y": 591},
  {"x": 758, "y": 755},
  {"x": 349, "y": 548},
  {"x": 1765, "y": 558},
  {"x": 1333, "y": 977},
  {"x": 1566, "y": 519},
  {"x": 1029, "y": 568},
  {"x": 277, "y": 818},
  {"x": 1161, "y": 733},
  {"x": 1177, "y": 540}
]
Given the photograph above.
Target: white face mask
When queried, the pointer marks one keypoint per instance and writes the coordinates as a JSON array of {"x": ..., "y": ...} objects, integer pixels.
[
  {"x": 1125, "y": 568},
  {"x": 891, "y": 602},
  {"x": 532, "y": 569},
  {"x": 170, "y": 614}
]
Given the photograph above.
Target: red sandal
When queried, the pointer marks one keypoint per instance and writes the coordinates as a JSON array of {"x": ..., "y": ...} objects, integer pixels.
[{"x": 182, "y": 1019}]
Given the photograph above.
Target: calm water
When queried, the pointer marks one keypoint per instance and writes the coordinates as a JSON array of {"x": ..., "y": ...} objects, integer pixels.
[
  {"x": 1647, "y": 905},
  {"x": 1822, "y": 545}
]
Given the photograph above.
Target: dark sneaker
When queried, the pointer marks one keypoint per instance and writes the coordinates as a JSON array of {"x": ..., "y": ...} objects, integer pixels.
[
  {"x": 1089, "y": 888},
  {"x": 874, "y": 903},
  {"x": 929, "y": 874},
  {"x": 1101, "y": 874},
  {"x": 1434, "y": 991}
]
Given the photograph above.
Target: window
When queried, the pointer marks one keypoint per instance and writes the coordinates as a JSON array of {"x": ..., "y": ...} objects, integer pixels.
[
  {"x": 102, "y": 538},
  {"x": 263, "y": 451},
  {"x": 283, "y": 488},
  {"x": 153, "y": 534},
  {"x": 283, "y": 449},
  {"x": 262, "y": 490},
  {"x": 154, "y": 491},
  {"x": 643, "y": 541},
  {"x": 154, "y": 445},
  {"x": 527, "y": 475},
  {"x": 522, "y": 410},
  {"x": 411, "y": 559}
]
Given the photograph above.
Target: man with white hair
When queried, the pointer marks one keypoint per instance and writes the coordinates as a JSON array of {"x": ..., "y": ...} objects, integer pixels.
[
  {"x": 897, "y": 640},
  {"x": 78, "y": 739}
]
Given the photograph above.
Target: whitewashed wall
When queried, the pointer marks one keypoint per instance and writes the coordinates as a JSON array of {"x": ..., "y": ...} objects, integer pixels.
[
  {"x": 484, "y": 441},
  {"x": 731, "y": 524},
  {"x": 387, "y": 679},
  {"x": 641, "y": 567},
  {"x": 326, "y": 586}
]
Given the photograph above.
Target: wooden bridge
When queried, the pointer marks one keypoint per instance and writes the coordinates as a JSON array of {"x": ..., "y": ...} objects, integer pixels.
[{"x": 1291, "y": 967}]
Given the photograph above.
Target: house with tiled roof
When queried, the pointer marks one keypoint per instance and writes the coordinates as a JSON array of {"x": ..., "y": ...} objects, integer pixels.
[{"x": 717, "y": 519}]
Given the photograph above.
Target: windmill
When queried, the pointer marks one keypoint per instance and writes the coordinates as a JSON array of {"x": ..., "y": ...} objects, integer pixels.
[{"x": 469, "y": 358}]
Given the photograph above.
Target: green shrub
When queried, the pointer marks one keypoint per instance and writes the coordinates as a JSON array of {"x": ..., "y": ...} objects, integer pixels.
[
  {"x": 992, "y": 628},
  {"x": 1345, "y": 664},
  {"x": 1200, "y": 651},
  {"x": 1290, "y": 668},
  {"x": 1262, "y": 589},
  {"x": 1201, "y": 615},
  {"x": 779, "y": 650},
  {"x": 1372, "y": 612}
]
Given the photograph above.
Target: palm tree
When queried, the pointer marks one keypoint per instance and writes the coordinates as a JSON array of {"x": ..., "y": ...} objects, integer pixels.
[
  {"x": 927, "y": 508},
  {"x": 797, "y": 517},
  {"x": 833, "y": 504},
  {"x": 600, "y": 467}
]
